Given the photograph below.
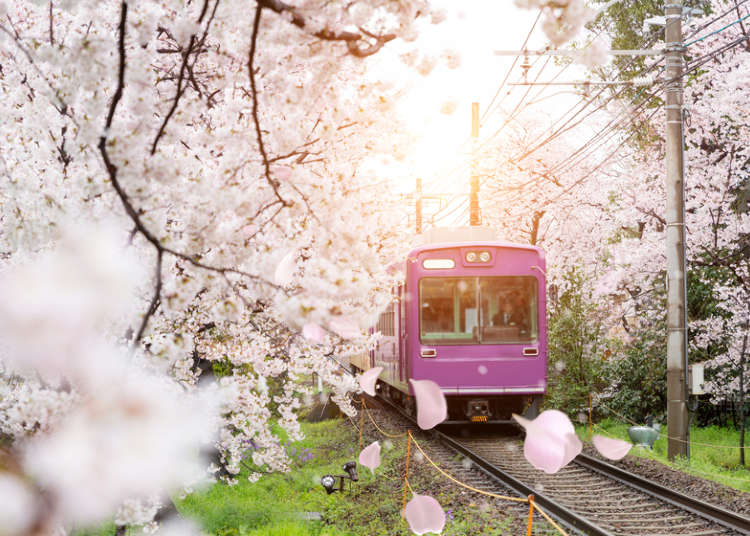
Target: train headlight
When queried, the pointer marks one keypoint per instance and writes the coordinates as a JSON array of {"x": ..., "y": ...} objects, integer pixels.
[{"x": 478, "y": 256}]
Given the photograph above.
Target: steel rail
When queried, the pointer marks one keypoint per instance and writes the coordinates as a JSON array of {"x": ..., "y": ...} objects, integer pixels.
[
  {"x": 564, "y": 515},
  {"x": 716, "y": 514},
  {"x": 571, "y": 519},
  {"x": 568, "y": 517}
]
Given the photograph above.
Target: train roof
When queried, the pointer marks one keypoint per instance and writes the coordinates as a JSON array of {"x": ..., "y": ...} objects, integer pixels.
[{"x": 479, "y": 243}]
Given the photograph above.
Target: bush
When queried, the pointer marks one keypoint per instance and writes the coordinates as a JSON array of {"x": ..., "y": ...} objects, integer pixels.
[
  {"x": 638, "y": 379},
  {"x": 576, "y": 346}
]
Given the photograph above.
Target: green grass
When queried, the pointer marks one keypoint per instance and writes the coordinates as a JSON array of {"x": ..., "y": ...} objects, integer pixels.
[
  {"x": 273, "y": 505},
  {"x": 277, "y": 503},
  {"x": 713, "y": 452}
]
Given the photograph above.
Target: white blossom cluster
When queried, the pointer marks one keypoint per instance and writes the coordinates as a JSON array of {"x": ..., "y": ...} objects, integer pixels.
[
  {"x": 563, "y": 19},
  {"x": 180, "y": 199}
]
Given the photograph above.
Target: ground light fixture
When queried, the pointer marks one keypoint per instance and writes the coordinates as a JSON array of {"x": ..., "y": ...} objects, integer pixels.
[{"x": 329, "y": 481}]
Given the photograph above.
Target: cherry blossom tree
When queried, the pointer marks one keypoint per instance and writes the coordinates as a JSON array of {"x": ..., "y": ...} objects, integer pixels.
[{"x": 221, "y": 145}]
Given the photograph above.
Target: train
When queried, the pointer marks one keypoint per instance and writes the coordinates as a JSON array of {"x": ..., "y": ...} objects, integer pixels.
[{"x": 470, "y": 315}]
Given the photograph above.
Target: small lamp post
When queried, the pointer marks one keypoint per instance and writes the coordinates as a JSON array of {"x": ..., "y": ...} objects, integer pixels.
[{"x": 329, "y": 481}]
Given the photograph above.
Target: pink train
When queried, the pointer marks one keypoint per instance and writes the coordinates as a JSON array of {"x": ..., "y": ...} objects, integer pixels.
[{"x": 470, "y": 315}]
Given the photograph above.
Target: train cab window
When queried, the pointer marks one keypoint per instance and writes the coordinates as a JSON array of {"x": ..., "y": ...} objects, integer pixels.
[{"x": 478, "y": 310}]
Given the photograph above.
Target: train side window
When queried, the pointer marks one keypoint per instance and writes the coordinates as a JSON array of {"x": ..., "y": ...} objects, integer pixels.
[{"x": 386, "y": 324}]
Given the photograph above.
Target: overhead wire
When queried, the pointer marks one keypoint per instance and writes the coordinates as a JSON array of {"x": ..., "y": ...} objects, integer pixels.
[
  {"x": 507, "y": 75},
  {"x": 717, "y": 31},
  {"x": 610, "y": 129},
  {"x": 570, "y": 161},
  {"x": 464, "y": 165},
  {"x": 709, "y": 23},
  {"x": 696, "y": 64}
]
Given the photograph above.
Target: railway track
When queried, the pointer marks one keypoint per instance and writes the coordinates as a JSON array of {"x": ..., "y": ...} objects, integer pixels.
[{"x": 588, "y": 496}]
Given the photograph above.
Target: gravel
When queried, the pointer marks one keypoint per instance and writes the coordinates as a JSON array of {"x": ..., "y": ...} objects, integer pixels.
[{"x": 694, "y": 486}]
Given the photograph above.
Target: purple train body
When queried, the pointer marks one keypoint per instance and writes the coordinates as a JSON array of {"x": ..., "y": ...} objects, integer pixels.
[{"x": 471, "y": 317}]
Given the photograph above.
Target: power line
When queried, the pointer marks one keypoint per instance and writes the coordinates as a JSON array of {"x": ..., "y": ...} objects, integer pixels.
[
  {"x": 709, "y": 23},
  {"x": 701, "y": 61},
  {"x": 507, "y": 75},
  {"x": 717, "y": 31}
]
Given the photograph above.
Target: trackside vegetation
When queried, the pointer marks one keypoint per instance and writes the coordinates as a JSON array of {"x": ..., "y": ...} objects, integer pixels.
[
  {"x": 713, "y": 452},
  {"x": 295, "y": 504}
]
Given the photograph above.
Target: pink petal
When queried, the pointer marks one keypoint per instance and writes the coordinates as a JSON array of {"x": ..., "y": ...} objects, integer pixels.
[
  {"x": 551, "y": 442},
  {"x": 370, "y": 456},
  {"x": 614, "y": 449},
  {"x": 345, "y": 328},
  {"x": 367, "y": 380},
  {"x": 282, "y": 173},
  {"x": 285, "y": 269},
  {"x": 424, "y": 514},
  {"x": 432, "y": 408},
  {"x": 313, "y": 332}
]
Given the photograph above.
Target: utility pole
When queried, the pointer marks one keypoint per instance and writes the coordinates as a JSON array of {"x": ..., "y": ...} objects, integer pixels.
[
  {"x": 677, "y": 343},
  {"x": 419, "y": 206},
  {"x": 677, "y": 411},
  {"x": 474, "y": 182}
]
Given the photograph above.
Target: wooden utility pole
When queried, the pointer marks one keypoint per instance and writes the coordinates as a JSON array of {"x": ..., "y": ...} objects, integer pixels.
[
  {"x": 419, "y": 206},
  {"x": 677, "y": 411},
  {"x": 474, "y": 218}
]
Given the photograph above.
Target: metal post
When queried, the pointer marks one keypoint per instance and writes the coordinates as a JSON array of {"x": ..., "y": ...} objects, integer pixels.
[
  {"x": 474, "y": 193},
  {"x": 419, "y": 206},
  {"x": 677, "y": 413}
]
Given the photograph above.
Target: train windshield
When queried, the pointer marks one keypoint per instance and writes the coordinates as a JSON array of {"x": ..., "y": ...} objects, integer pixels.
[{"x": 478, "y": 310}]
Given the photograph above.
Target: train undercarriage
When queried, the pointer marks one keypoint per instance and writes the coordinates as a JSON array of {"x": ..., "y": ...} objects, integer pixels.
[{"x": 491, "y": 409}]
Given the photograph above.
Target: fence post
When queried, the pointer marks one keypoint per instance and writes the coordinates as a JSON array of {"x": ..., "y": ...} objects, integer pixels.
[
  {"x": 406, "y": 474},
  {"x": 531, "y": 515}
]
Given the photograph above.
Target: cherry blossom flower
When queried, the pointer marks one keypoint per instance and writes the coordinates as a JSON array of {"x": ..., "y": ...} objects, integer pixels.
[
  {"x": 424, "y": 514},
  {"x": 432, "y": 408}
]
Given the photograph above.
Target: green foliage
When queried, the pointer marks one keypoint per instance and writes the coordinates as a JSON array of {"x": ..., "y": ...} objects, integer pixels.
[
  {"x": 277, "y": 503},
  {"x": 638, "y": 379},
  {"x": 576, "y": 346},
  {"x": 713, "y": 452}
]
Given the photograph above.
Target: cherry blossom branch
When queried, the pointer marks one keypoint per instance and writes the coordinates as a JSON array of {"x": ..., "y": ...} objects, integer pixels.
[
  {"x": 251, "y": 73},
  {"x": 186, "y": 67},
  {"x": 178, "y": 93},
  {"x": 61, "y": 106},
  {"x": 352, "y": 39},
  {"x": 155, "y": 300},
  {"x": 125, "y": 200}
]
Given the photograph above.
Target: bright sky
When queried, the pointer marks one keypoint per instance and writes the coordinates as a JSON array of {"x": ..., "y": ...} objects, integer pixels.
[{"x": 475, "y": 29}]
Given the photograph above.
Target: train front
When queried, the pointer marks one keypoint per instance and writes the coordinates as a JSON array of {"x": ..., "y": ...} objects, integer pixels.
[{"x": 476, "y": 325}]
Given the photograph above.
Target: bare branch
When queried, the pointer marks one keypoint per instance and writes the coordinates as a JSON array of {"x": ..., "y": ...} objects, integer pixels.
[
  {"x": 352, "y": 39},
  {"x": 112, "y": 171},
  {"x": 154, "y": 301}
]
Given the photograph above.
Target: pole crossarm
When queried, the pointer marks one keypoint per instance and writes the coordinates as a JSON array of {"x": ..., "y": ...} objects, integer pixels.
[
  {"x": 570, "y": 53},
  {"x": 588, "y": 83}
]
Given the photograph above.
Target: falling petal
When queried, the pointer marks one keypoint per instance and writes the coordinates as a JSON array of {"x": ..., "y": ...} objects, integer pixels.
[
  {"x": 313, "y": 332},
  {"x": 482, "y": 370},
  {"x": 432, "y": 408},
  {"x": 424, "y": 514},
  {"x": 367, "y": 380},
  {"x": 285, "y": 269},
  {"x": 370, "y": 456},
  {"x": 614, "y": 449},
  {"x": 282, "y": 173},
  {"x": 345, "y": 328},
  {"x": 551, "y": 442}
]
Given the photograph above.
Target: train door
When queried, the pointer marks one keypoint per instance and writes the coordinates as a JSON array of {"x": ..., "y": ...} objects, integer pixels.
[{"x": 401, "y": 334}]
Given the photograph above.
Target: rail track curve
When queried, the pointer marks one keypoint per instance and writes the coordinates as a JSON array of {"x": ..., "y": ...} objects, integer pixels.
[{"x": 590, "y": 496}]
